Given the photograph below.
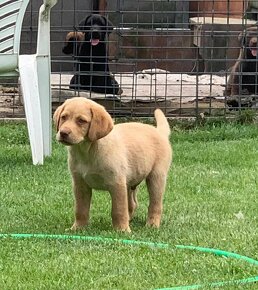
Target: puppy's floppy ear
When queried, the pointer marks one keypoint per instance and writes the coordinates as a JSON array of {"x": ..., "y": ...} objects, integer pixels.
[
  {"x": 70, "y": 43},
  {"x": 109, "y": 25},
  {"x": 73, "y": 41},
  {"x": 56, "y": 116},
  {"x": 245, "y": 36},
  {"x": 101, "y": 123}
]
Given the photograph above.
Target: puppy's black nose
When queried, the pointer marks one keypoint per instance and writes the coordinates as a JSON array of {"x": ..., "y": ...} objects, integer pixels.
[
  {"x": 95, "y": 34},
  {"x": 64, "y": 133}
]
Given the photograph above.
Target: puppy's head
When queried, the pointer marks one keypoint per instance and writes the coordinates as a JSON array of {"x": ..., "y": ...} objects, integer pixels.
[
  {"x": 248, "y": 39},
  {"x": 73, "y": 41},
  {"x": 79, "y": 120},
  {"x": 95, "y": 27}
]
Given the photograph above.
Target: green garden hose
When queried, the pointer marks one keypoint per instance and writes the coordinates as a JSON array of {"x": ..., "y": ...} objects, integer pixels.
[{"x": 156, "y": 245}]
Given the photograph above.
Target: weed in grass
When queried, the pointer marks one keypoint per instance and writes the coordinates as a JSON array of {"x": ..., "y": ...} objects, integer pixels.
[{"x": 246, "y": 116}]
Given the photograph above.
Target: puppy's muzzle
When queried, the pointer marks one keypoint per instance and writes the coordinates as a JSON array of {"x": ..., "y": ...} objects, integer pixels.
[
  {"x": 253, "y": 46},
  {"x": 95, "y": 34},
  {"x": 64, "y": 135}
]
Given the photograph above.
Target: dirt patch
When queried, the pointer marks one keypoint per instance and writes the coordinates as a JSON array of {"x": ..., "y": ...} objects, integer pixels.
[{"x": 176, "y": 94}]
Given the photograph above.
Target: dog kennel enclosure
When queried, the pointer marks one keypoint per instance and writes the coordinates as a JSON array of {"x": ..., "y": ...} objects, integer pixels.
[{"x": 175, "y": 55}]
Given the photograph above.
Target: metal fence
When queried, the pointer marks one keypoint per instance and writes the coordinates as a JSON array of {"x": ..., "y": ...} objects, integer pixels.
[{"x": 189, "y": 58}]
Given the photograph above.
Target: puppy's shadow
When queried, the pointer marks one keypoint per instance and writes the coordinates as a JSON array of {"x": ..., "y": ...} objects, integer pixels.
[
  {"x": 104, "y": 224},
  {"x": 100, "y": 224}
]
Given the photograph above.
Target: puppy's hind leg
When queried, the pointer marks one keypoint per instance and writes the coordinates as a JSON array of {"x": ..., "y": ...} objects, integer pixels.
[
  {"x": 132, "y": 202},
  {"x": 156, "y": 183}
]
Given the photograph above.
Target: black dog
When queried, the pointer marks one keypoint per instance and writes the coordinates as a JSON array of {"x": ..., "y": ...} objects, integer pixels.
[
  {"x": 88, "y": 45},
  {"x": 243, "y": 79}
]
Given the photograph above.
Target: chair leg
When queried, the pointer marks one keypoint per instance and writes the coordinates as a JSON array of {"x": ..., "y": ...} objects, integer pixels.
[
  {"x": 30, "y": 91},
  {"x": 44, "y": 72},
  {"x": 44, "y": 89}
]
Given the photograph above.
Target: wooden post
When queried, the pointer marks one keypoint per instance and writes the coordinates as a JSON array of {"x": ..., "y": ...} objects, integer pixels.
[
  {"x": 102, "y": 6},
  {"x": 234, "y": 9}
]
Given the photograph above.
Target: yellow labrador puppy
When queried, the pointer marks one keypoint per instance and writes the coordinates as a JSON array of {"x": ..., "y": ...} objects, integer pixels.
[{"x": 113, "y": 158}]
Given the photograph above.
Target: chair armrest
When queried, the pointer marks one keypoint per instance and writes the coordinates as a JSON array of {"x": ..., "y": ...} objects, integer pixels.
[{"x": 9, "y": 63}]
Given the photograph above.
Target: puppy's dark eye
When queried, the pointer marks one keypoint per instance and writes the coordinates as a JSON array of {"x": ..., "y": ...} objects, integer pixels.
[
  {"x": 81, "y": 121},
  {"x": 63, "y": 118}
]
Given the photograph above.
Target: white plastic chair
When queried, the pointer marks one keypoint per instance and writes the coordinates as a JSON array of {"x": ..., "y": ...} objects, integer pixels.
[{"x": 34, "y": 71}]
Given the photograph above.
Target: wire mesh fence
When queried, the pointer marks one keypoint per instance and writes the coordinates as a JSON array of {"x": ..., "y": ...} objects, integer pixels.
[{"x": 185, "y": 57}]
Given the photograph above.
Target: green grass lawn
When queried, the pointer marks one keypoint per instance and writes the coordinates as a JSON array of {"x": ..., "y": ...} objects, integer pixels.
[{"x": 211, "y": 201}]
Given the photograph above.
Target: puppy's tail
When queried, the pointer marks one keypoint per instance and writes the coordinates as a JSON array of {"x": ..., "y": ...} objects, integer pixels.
[{"x": 162, "y": 123}]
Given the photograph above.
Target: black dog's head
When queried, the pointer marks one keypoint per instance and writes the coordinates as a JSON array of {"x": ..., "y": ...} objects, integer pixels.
[
  {"x": 95, "y": 28},
  {"x": 248, "y": 40},
  {"x": 72, "y": 42}
]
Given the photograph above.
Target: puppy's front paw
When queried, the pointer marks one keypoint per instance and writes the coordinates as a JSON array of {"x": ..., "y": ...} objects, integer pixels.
[
  {"x": 76, "y": 226},
  {"x": 120, "y": 91},
  {"x": 153, "y": 222},
  {"x": 125, "y": 229}
]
